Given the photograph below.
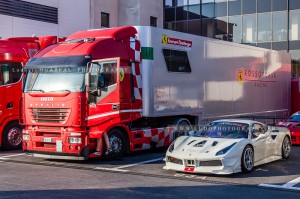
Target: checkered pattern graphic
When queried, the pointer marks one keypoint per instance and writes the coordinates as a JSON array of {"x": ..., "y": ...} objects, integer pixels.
[
  {"x": 137, "y": 80},
  {"x": 135, "y": 54},
  {"x": 160, "y": 136}
]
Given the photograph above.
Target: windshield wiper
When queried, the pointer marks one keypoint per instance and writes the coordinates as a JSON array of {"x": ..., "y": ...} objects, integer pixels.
[
  {"x": 41, "y": 91},
  {"x": 60, "y": 91}
]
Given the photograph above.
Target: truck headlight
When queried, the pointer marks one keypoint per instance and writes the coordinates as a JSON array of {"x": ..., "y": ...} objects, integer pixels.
[
  {"x": 225, "y": 150},
  {"x": 26, "y": 137},
  {"x": 73, "y": 140}
]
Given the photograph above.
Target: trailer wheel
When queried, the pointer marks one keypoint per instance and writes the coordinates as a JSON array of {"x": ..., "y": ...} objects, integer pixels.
[
  {"x": 12, "y": 136},
  {"x": 118, "y": 144},
  {"x": 182, "y": 127}
]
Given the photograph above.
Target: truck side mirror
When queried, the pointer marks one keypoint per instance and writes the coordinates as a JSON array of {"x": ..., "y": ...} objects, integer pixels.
[{"x": 101, "y": 81}]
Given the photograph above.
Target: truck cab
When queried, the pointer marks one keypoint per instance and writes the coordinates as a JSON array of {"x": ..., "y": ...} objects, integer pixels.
[{"x": 14, "y": 54}]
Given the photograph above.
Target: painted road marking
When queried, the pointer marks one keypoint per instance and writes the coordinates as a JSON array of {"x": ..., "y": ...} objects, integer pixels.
[
  {"x": 292, "y": 183},
  {"x": 8, "y": 156},
  {"x": 111, "y": 169},
  {"x": 288, "y": 185},
  {"x": 138, "y": 163}
]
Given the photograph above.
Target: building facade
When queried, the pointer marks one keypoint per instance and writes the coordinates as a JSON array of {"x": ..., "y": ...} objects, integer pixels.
[
  {"x": 36, "y": 17},
  {"x": 272, "y": 24},
  {"x": 115, "y": 13},
  {"x": 64, "y": 17}
]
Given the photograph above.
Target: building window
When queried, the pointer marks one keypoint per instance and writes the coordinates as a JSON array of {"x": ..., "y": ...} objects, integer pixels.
[
  {"x": 294, "y": 4},
  {"x": 280, "y": 22},
  {"x": 249, "y": 6},
  {"x": 177, "y": 61},
  {"x": 249, "y": 28},
  {"x": 169, "y": 3},
  {"x": 264, "y": 27},
  {"x": 234, "y": 7},
  {"x": 220, "y": 8},
  {"x": 263, "y": 5},
  {"x": 279, "y": 5},
  {"x": 294, "y": 25},
  {"x": 104, "y": 20},
  {"x": 28, "y": 10},
  {"x": 235, "y": 29},
  {"x": 208, "y": 8},
  {"x": 221, "y": 28},
  {"x": 153, "y": 21}
]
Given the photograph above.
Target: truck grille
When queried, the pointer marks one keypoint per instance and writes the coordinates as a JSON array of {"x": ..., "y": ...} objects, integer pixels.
[{"x": 50, "y": 115}]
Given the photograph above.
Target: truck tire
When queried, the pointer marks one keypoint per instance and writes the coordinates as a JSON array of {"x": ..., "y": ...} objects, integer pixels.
[
  {"x": 12, "y": 136},
  {"x": 180, "y": 126},
  {"x": 247, "y": 160},
  {"x": 118, "y": 143},
  {"x": 286, "y": 148}
]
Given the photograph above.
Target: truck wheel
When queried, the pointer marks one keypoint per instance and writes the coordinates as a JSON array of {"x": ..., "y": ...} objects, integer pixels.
[
  {"x": 286, "y": 148},
  {"x": 247, "y": 161},
  {"x": 118, "y": 144},
  {"x": 182, "y": 127},
  {"x": 12, "y": 136}
]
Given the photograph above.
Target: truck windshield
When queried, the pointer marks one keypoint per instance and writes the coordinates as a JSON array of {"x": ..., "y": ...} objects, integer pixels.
[{"x": 70, "y": 79}]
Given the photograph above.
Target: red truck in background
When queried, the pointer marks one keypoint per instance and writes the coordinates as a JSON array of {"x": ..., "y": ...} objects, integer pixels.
[
  {"x": 140, "y": 85},
  {"x": 14, "y": 54}
]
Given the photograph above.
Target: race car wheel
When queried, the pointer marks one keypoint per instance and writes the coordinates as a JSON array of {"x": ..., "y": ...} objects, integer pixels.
[
  {"x": 247, "y": 161},
  {"x": 286, "y": 148},
  {"x": 12, "y": 136},
  {"x": 118, "y": 143}
]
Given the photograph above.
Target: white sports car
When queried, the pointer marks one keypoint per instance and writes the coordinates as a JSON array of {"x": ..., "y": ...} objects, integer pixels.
[{"x": 228, "y": 146}]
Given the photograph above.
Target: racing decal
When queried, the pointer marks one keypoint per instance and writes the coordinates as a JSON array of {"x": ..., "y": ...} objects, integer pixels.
[
  {"x": 136, "y": 67},
  {"x": 159, "y": 136},
  {"x": 135, "y": 45},
  {"x": 122, "y": 74},
  {"x": 175, "y": 41},
  {"x": 240, "y": 76},
  {"x": 189, "y": 169},
  {"x": 137, "y": 81}
]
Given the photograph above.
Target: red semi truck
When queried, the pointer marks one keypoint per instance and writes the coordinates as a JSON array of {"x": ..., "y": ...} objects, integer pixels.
[
  {"x": 140, "y": 85},
  {"x": 14, "y": 54}
]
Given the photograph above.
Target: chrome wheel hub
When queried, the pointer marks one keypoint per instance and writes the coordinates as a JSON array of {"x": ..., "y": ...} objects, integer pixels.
[
  {"x": 286, "y": 147},
  {"x": 248, "y": 159},
  {"x": 14, "y": 136},
  {"x": 116, "y": 144}
]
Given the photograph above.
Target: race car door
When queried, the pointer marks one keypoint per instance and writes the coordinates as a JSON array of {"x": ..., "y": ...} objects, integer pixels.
[{"x": 259, "y": 139}]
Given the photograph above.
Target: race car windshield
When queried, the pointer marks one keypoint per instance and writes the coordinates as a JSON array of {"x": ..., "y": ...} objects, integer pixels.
[
  {"x": 230, "y": 130},
  {"x": 294, "y": 118}
]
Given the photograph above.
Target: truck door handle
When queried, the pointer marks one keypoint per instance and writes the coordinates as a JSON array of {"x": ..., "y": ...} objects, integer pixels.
[{"x": 10, "y": 105}]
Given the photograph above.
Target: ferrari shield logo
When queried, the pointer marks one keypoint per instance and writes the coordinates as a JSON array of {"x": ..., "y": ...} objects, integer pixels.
[
  {"x": 240, "y": 77},
  {"x": 164, "y": 39},
  {"x": 122, "y": 74}
]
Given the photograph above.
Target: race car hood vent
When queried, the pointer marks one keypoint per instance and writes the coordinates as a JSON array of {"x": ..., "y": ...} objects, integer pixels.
[
  {"x": 191, "y": 142},
  {"x": 200, "y": 144},
  {"x": 214, "y": 143}
]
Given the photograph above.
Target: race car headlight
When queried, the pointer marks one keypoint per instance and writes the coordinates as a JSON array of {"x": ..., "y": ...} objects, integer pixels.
[
  {"x": 225, "y": 150},
  {"x": 74, "y": 140},
  {"x": 171, "y": 147}
]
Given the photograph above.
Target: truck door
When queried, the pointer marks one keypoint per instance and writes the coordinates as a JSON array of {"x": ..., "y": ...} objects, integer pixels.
[
  {"x": 10, "y": 90},
  {"x": 103, "y": 93}
]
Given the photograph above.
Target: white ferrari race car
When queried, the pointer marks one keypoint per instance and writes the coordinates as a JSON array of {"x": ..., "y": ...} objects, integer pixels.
[{"x": 228, "y": 146}]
